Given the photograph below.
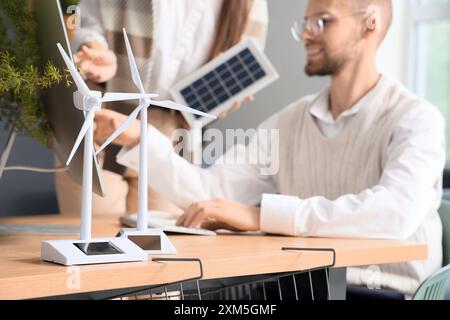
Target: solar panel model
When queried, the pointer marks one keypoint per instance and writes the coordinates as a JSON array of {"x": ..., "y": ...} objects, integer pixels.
[{"x": 236, "y": 74}]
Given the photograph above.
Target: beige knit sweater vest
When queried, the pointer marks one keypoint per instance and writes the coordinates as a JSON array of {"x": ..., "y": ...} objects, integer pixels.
[
  {"x": 347, "y": 164},
  {"x": 353, "y": 161}
]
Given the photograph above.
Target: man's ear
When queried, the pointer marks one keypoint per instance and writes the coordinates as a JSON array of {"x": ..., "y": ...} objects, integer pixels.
[{"x": 374, "y": 20}]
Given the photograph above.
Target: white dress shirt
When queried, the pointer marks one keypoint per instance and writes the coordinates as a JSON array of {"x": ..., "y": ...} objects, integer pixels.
[{"x": 418, "y": 138}]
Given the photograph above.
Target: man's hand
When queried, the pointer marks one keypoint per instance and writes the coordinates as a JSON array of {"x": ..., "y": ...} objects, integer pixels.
[
  {"x": 107, "y": 122},
  {"x": 99, "y": 64},
  {"x": 221, "y": 214}
]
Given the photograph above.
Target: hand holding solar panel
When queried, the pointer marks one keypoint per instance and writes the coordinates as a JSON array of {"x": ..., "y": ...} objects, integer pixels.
[{"x": 234, "y": 75}]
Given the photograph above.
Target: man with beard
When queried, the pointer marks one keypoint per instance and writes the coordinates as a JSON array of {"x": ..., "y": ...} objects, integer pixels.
[{"x": 361, "y": 159}]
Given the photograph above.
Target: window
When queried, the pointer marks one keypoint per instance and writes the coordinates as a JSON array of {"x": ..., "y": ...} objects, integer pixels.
[{"x": 431, "y": 43}]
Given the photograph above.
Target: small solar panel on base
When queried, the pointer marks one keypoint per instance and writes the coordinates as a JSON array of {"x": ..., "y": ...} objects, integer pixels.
[{"x": 240, "y": 72}]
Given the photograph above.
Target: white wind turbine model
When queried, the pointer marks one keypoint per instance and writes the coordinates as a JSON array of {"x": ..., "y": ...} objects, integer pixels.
[
  {"x": 87, "y": 250},
  {"x": 152, "y": 241}
]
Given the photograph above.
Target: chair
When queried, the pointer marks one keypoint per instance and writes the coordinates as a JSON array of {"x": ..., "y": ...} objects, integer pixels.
[
  {"x": 434, "y": 288},
  {"x": 447, "y": 178}
]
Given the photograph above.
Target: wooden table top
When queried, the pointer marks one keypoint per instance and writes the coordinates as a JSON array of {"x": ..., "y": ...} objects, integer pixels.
[{"x": 23, "y": 275}]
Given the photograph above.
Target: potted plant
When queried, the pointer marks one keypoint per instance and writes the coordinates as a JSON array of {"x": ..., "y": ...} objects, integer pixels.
[{"x": 21, "y": 80}]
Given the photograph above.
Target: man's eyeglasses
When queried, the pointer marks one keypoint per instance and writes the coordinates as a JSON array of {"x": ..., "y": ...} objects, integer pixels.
[{"x": 315, "y": 25}]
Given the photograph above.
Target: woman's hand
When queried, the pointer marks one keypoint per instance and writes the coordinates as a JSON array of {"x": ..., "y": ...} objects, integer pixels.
[
  {"x": 99, "y": 64},
  {"x": 236, "y": 106},
  {"x": 221, "y": 214},
  {"x": 108, "y": 121}
]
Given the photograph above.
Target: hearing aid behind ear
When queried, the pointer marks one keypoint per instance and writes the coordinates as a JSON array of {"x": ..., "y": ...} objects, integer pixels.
[
  {"x": 371, "y": 24},
  {"x": 374, "y": 21}
]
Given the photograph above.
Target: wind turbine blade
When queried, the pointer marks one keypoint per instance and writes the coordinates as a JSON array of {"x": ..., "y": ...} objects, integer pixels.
[
  {"x": 114, "y": 96},
  {"x": 89, "y": 121},
  {"x": 133, "y": 66},
  {"x": 133, "y": 116},
  {"x": 175, "y": 106},
  {"x": 79, "y": 82}
]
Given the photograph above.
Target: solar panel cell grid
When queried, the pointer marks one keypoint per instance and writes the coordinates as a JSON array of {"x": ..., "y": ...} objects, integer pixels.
[{"x": 227, "y": 80}]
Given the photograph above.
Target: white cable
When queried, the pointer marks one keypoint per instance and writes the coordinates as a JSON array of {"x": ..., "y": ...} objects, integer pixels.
[{"x": 34, "y": 169}]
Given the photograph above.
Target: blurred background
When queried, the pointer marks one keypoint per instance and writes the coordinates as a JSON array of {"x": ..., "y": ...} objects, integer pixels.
[{"x": 416, "y": 52}]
